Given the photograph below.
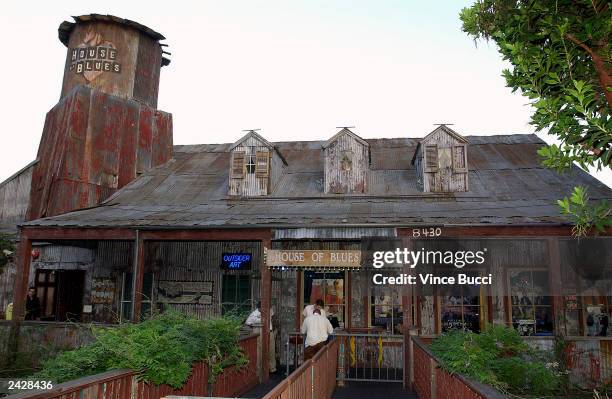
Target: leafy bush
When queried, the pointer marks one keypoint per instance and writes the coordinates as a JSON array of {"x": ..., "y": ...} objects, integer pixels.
[
  {"x": 162, "y": 349},
  {"x": 498, "y": 357}
]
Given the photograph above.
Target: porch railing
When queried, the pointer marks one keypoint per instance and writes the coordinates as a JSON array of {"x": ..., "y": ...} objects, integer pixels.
[
  {"x": 431, "y": 381},
  {"x": 315, "y": 379},
  {"x": 124, "y": 384},
  {"x": 371, "y": 357}
]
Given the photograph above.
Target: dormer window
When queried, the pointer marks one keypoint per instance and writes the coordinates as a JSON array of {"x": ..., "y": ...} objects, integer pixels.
[
  {"x": 250, "y": 165},
  {"x": 347, "y": 162},
  {"x": 256, "y": 166},
  {"x": 441, "y": 161}
]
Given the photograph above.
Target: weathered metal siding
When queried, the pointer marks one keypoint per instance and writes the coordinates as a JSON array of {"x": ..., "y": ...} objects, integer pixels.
[
  {"x": 277, "y": 168},
  {"x": 199, "y": 261},
  {"x": 349, "y": 176},
  {"x": 139, "y": 57},
  {"x": 99, "y": 260},
  {"x": 14, "y": 198},
  {"x": 7, "y": 284},
  {"x": 92, "y": 144},
  {"x": 445, "y": 179},
  {"x": 333, "y": 233},
  {"x": 249, "y": 185}
]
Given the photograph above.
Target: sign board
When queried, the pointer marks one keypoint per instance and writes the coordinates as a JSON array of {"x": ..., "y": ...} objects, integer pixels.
[
  {"x": 313, "y": 258},
  {"x": 236, "y": 261},
  {"x": 102, "y": 291},
  {"x": 185, "y": 292}
]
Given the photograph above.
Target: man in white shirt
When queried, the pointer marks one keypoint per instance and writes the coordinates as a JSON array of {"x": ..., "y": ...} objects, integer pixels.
[
  {"x": 317, "y": 328},
  {"x": 309, "y": 309},
  {"x": 254, "y": 320}
]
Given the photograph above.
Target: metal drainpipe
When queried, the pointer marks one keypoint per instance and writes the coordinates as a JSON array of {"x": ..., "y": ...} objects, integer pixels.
[{"x": 134, "y": 271}]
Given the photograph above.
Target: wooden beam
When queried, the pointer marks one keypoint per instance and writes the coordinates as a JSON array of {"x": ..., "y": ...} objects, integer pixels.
[
  {"x": 497, "y": 231},
  {"x": 208, "y": 235},
  {"x": 266, "y": 301},
  {"x": 554, "y": 280},
  {"x": 22, "y": 276},
  {"x": 71, "y": 233},
  {"x": 138, "y": 276},
  {"x": 60, "y": 233},
  {"x": 407, "y": 293}
]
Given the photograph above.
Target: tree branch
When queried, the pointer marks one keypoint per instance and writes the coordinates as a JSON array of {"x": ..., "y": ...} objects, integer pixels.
[{"x": 604, "y": 77}]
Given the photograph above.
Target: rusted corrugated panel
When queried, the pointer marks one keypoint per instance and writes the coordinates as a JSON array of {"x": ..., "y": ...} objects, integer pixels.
[
  {"x": 199, "y": 261},
  {"x": 84, "y": 158},
  {"x": 133, "y": 70}
]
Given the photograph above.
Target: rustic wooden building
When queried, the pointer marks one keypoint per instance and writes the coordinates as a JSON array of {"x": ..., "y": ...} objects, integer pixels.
[{"x": 115, "y": 237}]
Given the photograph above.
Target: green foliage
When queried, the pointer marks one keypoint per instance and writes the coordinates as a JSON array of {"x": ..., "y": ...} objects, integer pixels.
[
  {"x": 498, "y": 357},
  {"x": 559, "y": 54},
  {"x": 599, "y": 216},
  {"x": 162, "y": 349}
]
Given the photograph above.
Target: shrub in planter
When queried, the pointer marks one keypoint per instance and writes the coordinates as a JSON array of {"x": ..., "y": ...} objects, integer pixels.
[
  {"x": 498, "y": 357},
  {"x": 163, "y": 349}
]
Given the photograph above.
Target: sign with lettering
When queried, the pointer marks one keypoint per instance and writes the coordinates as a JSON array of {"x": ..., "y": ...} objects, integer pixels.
[
  {"x": 236, "y": 261},
  {"x": 102, "y": 291},
  {"x": 93, "y": 57},
  {"x": 313, "y": 258}
]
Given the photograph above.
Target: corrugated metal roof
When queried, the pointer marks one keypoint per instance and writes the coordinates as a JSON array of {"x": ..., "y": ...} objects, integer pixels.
[{"x": 507, "y": 186}]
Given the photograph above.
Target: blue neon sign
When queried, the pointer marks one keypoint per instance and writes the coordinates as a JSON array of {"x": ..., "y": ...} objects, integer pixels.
[{"x": 236, "y": 261}]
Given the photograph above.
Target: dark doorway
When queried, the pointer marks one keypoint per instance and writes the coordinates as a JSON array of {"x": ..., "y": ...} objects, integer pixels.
[{"x": 69, "y": 303}]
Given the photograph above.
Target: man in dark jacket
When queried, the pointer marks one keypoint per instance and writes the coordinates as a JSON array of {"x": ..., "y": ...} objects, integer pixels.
[{"x": 32, "y": 305}]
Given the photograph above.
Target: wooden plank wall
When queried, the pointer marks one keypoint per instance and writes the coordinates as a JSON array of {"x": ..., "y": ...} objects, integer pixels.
[
  {"x": 445, "y": 179},
  {"x": 251, "y": 185},
  {"x": 338, "y": 180}
]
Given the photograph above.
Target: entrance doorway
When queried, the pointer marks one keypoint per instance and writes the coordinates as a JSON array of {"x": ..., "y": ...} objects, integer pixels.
[
  {"x": 331, "y": 288},
  {"x": 60, "y": 293}
]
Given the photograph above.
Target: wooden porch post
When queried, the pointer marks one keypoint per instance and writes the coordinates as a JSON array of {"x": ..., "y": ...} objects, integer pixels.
[
  {"x": 554, "y": 278},
  {"x": 138, "y": 277},
  {"x": 266, "y": 301},
  {"x": 407, "y": 318},
  {"x": 22, "y": 276}
]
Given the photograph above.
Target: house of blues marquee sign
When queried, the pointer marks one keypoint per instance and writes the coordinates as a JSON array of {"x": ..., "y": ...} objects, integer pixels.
[
  {"x": 94, "y": 57},
  {"x": 313, "y": 259}
]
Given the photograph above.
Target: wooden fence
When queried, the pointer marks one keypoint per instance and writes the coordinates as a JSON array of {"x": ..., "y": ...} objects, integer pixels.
[
  {"x": 432, "y": 382},
  {"x": 124, "y": 384},
  {"x": 315, "y": 379}
]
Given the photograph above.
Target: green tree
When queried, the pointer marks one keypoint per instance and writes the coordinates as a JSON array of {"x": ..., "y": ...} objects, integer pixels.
[{"x": 559, "y": 54}]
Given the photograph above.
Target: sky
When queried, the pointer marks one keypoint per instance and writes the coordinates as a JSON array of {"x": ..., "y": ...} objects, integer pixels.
[{"x": 294, "y": 69}]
